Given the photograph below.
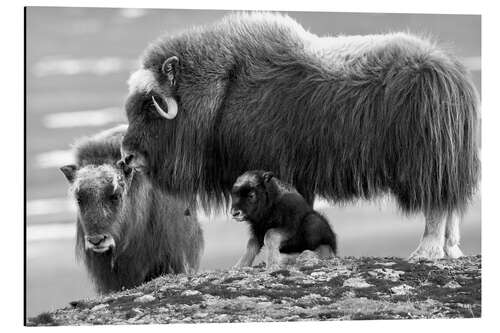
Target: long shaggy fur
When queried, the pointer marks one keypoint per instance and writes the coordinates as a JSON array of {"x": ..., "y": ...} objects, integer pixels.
[
  {"x": 153, "y": 234},
  {"x": 340, "y": 117}
]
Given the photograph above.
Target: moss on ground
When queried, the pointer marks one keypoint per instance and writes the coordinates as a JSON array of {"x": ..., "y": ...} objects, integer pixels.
[{"x": 338, "y": 289}]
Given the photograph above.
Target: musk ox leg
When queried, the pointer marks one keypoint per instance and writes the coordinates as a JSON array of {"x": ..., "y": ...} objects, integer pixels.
[
  {"x": 452, "y": 236},
  {"x": 288, "y": 258},
  {"x": 272, "y": 242},
  {"x": 251, "y": 252},
  {"x": 431, "y": 245},
  {"x": 325, "y": 252}
]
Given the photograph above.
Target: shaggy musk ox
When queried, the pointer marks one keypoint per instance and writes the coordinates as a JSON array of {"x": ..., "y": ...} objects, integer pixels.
[
  {"x": 279, "y": 218},
  {"x": 127, "y": 231},
  {"x": 338, "y": 117}
]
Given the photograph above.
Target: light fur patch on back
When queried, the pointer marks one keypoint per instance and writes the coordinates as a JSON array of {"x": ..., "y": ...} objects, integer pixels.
[
  {"x": 333, "y": 51},
  {"x": 142, "y": 80}
]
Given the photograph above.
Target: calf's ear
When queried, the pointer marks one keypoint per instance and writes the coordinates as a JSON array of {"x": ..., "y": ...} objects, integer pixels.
[
  {"x": 267, "y": 176},
  {"x": 170, "y": 69},
  {"x": 69, "y": 172}
]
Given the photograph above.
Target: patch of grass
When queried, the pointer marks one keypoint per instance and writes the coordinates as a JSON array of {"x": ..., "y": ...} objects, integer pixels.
[
  {"x": 309, "y": 269},
  {"x": 381, "y": 285},
  {"x": 326, "y": 315},
  {"x": 44, "y": 318},
  {"x": 380, "y": 315},
  {"x": 271, "y": 293},
  {"x": 179, "y": 299},
  {"x": 217, "y": 290},
  {"x": 232, "y": 279},
  {"x": 290, "y": 282},
  {"x": 369, "y": 293},
  {"x": 336, "y": 282},
  {"x": 130, "y": 314},
  {"x": 79, "y": 304},
  {"x": 467, "y": 311},
  {"x": 126, "y": 303},
  {"x": 282, "y": 272}
]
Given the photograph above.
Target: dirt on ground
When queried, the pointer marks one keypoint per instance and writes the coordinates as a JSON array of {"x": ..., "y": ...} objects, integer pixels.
[{"x": 311, "y": 289}]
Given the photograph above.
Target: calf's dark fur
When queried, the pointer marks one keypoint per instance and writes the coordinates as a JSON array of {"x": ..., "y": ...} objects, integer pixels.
[{"x": 279, "y": 218}]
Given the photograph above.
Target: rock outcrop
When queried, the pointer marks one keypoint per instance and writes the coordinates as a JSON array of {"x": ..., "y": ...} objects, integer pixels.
[{"x": 312, "y": 289}]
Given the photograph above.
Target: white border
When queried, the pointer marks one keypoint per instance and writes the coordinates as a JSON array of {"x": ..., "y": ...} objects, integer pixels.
[{"x": 12, "y": 166}]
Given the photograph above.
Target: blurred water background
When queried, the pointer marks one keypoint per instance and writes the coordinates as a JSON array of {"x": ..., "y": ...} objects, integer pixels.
[{"x": 78, "y": 61}]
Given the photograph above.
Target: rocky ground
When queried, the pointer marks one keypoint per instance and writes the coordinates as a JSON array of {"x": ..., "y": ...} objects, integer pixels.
[{"x": 311, "y": 289}]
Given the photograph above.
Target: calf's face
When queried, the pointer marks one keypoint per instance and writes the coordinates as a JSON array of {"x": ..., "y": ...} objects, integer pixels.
[
  {"x": 250, "y": 196},
  {"x": 98, "y": 192}
]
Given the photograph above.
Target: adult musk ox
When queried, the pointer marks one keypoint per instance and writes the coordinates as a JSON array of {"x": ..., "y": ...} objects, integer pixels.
[
  {"x": 127, "y": 231},
  {"x": 339, "y": 117}
]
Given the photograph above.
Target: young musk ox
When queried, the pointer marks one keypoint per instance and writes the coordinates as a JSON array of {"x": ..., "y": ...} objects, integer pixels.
[
  {"x": 128, "y": 232},
  {"x": 279, "y": 218},
  {"x": 339, "y": 117}
]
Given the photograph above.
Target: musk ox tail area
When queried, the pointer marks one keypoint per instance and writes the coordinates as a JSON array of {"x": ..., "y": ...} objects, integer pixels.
[{"x": 432, "y": 138}]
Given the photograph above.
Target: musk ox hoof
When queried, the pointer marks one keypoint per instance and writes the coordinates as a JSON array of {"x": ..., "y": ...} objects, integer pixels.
[
  {"x": 427, "y": 251},
  {"x": 288, "y": 258},
  {"x": 325, "y": 252},
  {"x": 453, "y": 252}
]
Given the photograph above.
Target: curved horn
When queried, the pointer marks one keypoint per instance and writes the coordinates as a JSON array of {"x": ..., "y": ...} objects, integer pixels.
[{"x": 171, "y": 108}]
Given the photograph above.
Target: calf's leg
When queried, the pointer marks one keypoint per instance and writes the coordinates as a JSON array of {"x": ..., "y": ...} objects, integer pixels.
[{"x": 272, "y": 241}]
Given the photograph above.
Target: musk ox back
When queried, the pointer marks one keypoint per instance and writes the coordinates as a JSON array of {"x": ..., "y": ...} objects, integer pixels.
[
  {"x": 127, "y": 231},
  {"x": 339, "y": 117}
]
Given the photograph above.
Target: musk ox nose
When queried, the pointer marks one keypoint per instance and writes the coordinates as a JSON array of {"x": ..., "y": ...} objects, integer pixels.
[
  {"x": 127, "y": 155},
  {"x": 124, "y": 167},
  {"x": 133, "y": 160},
  {"x": 121, "y": 164},
  {"x": 96, "y": 239},
  {"x": 126, "y": 160}
]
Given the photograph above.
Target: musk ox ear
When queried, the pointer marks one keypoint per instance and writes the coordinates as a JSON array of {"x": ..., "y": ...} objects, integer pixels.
[
  {"x": 169, "y": 68},
  {"x": 267, "y": 176},
  {"x": 69, "y": 172}
]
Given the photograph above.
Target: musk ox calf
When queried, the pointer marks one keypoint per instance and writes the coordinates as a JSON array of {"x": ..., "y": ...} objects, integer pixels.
[
  {"x": 127, "y": 231},
  {"x": 279, "y": 218},
  {"x": 338, "y": 117}
]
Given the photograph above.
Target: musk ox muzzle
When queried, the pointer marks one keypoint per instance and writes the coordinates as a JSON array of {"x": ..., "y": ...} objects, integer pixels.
[{"x": 99, "y": 243}]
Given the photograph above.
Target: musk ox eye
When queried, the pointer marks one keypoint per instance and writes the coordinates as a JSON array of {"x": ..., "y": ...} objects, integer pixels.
[
  {"x": 78, "y": 198},
  {"x": 148, "y": 105},
  {"x": 251, "y": 195},
  {"x": 114, "y": 197}
]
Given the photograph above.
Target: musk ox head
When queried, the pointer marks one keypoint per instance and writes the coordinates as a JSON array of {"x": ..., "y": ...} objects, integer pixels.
[
  {"x": 252, "y": 195},
  {"x": 99, "y": 192},
  {"x": 150, "y": 105}
]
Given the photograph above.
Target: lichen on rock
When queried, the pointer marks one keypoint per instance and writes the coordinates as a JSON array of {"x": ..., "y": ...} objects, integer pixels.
[{"x": 311, "y": 289}]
